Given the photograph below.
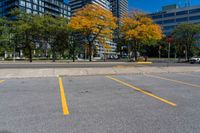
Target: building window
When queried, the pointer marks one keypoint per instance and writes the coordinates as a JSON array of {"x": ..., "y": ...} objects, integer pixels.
[
  {"x": 181, "y": 13},
  {"x": 41, "y": 3},
  {"x": 194, "y": 11},
  {"x": 34, "y": 12},
  {"x": 158, "y": 22},
  {"x": 157, "y": 16},
  {"x": 168, "y": 21},
  {"x": 35, "y": 7},
  {"x": 22, "y": 3},
  {"x": 28, "y": 11},
  {"x": 185, "y": 19},
  {"x": 169, "y": 14},
  {"x": 35, "y": 1},
  {"x": 194, "y": 18},
  {"x": 23, "y": 9},
  {"x": 28, "y": 5},
  {"x": 41, "y": 9},
  {"x": 169, "y": 27}
]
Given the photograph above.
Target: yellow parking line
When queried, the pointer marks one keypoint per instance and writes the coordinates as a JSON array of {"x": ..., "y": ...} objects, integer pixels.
[
  {"x": 172, "y": 80},
  {"x": 187, "y": 74},
  {"x": 144, "y": 62},
  {"x": 143, "y": 91},
  {"x": 1, "y": 81},
  {"x": 63, "y": 98}
]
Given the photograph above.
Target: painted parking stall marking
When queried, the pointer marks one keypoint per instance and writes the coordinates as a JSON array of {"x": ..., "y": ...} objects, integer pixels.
[
  {"x": 63, "y": 98},
  {"x": 143, "y": 91},
  {"x": 189, "y": 74},
  {"x": 1, "y": 81},
  {"x": 172, "y": 80}
]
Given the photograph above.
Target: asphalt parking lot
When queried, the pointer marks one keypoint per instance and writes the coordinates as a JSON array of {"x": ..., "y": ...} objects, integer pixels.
[{"x": 149, "y": 103}]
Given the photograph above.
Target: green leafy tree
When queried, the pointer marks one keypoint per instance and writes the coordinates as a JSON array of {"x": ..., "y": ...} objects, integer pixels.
[
  {"x": 74, "y": 45},
  {"x": 55, "y": 33},
  {"x": 184, "y": 38},
  {"x": 25, "y": 28},
  {"x": 6, "y": 36}
]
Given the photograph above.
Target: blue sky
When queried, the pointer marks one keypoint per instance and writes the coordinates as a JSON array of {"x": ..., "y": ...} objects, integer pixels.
[{"x": 156, "y": 5}]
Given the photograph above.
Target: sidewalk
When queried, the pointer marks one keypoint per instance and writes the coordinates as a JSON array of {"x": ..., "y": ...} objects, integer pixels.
[{"x": 53, "y": 72}]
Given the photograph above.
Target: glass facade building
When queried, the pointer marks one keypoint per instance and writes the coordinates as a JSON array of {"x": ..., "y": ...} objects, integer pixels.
[
  {"x": 77, "y": 4},
  {"x": 119, "y": 7},
  {"x": 53, "y": 7},
  {"x": 168, "y": 19},
  {"x": 119, "y": 10}
]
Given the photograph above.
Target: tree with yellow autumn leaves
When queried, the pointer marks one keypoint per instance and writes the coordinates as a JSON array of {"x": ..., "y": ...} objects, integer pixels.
[
  {"x": 138, "y": 29},
  {"x": 95, "y": 24}
]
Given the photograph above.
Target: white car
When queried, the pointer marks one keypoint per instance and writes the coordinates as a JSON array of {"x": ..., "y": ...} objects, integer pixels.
[{"x": 195, "y": 60}]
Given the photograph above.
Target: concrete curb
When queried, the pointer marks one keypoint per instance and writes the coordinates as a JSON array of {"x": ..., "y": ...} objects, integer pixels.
[{"x": 53, "y": 72}]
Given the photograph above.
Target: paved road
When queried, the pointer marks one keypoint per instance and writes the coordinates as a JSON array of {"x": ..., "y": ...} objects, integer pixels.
[
  {"x": 153, "y": 103},
  {"x": 86, "y": 65}
]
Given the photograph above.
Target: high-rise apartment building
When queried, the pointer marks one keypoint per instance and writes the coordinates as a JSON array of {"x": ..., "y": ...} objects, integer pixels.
[
  {"x": 119, "y": 7},
  {"x": 77, "y": 4},
  {"x": 53, "y": 7},
  {"x": 119, "y": 10}
]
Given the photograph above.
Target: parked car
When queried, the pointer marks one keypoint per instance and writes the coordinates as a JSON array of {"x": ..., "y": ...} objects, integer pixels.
[{"x": 195, "y": 60}]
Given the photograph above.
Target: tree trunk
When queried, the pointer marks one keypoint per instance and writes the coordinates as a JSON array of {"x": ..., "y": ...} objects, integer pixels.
[
  {"x": 73, "y": 55},
  {"x": 54, "y": 54},
  {"x": 90, "y": 52},
  {"x": 30, "y": 55},
  {"x": 73, "y": 52},
  {"x": 129, "y": 52},
  {"x": 189, "y": 53},
  {"x": 186, "y": 53},
  {"x": 135, "y": 51},
  {"x": 104, "y": 57}
]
